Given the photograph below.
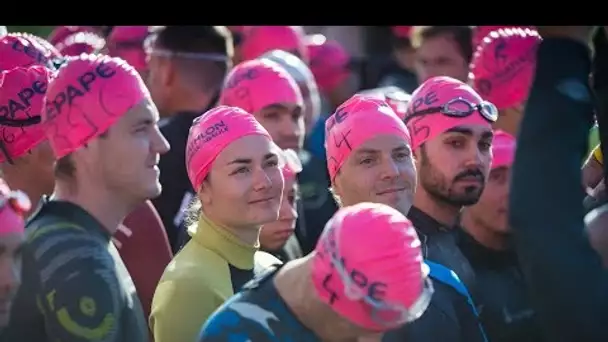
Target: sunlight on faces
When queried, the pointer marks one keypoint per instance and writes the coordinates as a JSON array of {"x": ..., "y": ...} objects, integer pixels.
[
  {"x": 454, "y": 166},
  {"x": 244, "y": 186},
  {"x": 492, "y": 208},
  {"x": 381, "y": 170},
  {"x": 440, "y": 56},
  {"x": 10, "y": 272},
  {"x": 285, "y": 124},
  {"x": 125, "y": 161},
  {"x": 274, "y": 235}
]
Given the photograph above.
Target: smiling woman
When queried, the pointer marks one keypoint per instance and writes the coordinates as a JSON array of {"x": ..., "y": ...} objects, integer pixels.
[{"x": 236, "y": 169}]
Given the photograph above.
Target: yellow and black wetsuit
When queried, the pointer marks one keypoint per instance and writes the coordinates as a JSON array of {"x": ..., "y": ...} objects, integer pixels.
[
  {"x": 212, "y": 266},
  {"x": 75, "y": 286}
]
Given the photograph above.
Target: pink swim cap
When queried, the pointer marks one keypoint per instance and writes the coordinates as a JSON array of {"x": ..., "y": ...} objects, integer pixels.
[
  {"x": 127, "y": 42},
  {"x": 88, "y": 95},
  {"x": 13, "y": 206},
  {"x": 503, "y": 66},
  {"x": 21, "y": 50},
  {"x": 357, "y": 120},
  {"x": 292, "y": 165},
  {"x": 21, "y": 93},
  {"x": 211, "y": 133},
  {"x": 256, "y": 84},
  {"x": 503, "y": 149},
  {"x": 60, "y": 33},
  {"x": 258, "y": 40},
  {"x": 50, "y": 49},
  {"x": 368, "y": 267},
  {"x": 396, "y": 98},
  {"x": 402, "y": 31},
  {"x": 437, "y": 92},
  {"x": 81, "y": 42},
  {"x": 328, "y": 62}
]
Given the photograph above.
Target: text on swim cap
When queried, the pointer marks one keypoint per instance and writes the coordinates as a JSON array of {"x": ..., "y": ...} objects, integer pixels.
[
  {"x": 22, "y": 102},
  {"x": 372, "y": 289},
  {"x": 83, "y": 86},
  {"x": 246, "y": 75},
  {"x": 32, "y": 52},
  {"x": 416, "y": 125},
  {"x": 204, "y": 137}
]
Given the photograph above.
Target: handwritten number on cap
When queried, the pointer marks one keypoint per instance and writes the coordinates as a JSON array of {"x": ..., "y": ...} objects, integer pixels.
[
  {"x": 419, "y": 129},
  {"x": 343, "y": 141},
  {"x": 333, "y": 296}
]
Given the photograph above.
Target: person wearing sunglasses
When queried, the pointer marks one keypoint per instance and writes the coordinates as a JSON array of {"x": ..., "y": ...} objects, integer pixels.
[
  {"x": 342, "y": 291},
  {"x": 106, "y": 143},
  {"x": 370, "y": 160},
  {"x": 451, "y": 129},
  {"x": 13, "y": 207}
]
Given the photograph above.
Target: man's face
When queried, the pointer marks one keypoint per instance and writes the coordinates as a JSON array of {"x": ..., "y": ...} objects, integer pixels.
[
  {"x": 453, "y": 167},
  {"x": 127, "y": 158},
  {"x": 285, "y": 123},
  {"x": 10, "y": 272},
  {"x": 440, "y": 56},
  {"x": 381, "y": 170},
  {"x": 492, "y": 208}
]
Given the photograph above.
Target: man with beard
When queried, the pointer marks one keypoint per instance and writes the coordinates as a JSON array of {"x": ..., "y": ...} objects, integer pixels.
[
  {"x": 369, "y": 160},
  {"x": 452, "y": 135},
  {"x": 485, "y": 239},
  {"x": 187, "y": 65}
]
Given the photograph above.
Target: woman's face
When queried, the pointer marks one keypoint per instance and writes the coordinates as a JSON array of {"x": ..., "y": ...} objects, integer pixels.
[
  {"x": 245, "y": 184},
  {"x": 274, "y": 235}
]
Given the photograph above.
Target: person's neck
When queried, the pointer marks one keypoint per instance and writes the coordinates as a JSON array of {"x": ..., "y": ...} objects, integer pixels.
[
  {"x": 442, "y": 212},
  {"x": 105, "y": 207},
  {"x": 188, "y": 100},
  {"x": 294, "y": 284},
  {"x": 32, "y": 186},
  {"x": 248, "y": 235},
  {"x": 483, "y": 234}
]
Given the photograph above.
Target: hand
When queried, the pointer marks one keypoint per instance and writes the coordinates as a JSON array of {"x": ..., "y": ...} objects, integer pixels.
[{"x": 582, "y": 34}]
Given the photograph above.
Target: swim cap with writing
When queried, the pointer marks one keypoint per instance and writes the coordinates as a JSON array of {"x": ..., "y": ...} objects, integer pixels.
[
  {"x": 256, "y": 84},
  {"x": 304, "y": 79},
  {"x": 22, "y": 92},
  {"x": 357, "y": 120},
  {"x": 503, "y": 149},
  {"x": 329, "y": 62},
  {"x": 81, "y": 42},
  {"x": 434, "y": 93},
  {"x": 127, "y": 42},
  {"x": 394, "y": 96},
  {"x": 503, "y": 66},
  {"x": 88, "y": 95},
  {"x": 19, "y": 50},
  {"x": 368, "y": 267},
  {"x": 258, "y": 40},
  {"x": 13, "y": 205},
  {"x": 211, "y": 133}
]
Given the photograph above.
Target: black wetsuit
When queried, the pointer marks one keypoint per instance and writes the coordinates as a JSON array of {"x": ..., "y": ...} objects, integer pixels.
[{"x": 75, "y": 286}]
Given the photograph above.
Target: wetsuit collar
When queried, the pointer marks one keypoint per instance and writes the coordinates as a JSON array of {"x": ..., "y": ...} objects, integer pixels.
[
  {"x": 425, "y": 223},
  {"x": 483, "y": 256},
  {"x": 70, "y": 212},
  {"x": 224, "y": 243}
]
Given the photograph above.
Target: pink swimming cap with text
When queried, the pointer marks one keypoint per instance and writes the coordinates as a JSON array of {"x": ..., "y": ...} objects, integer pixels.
[
  {"x": 329, "y": 62},
  {"x": 356, "y": 121},
  {"x": 256, "y": 84},
  {"x": 211, "y": 133},
  {"x": 22, "y": 50},
  {"x": 258, "y": 40},
  {"x": 434, "y": 93},
  {"x": 503, "y": 149},
  {"x": 503, "y": 66},
  {"x": 88, "y": 95},
  {"x": 22, "y": 91},
  {"x": 370, "y": 250}
]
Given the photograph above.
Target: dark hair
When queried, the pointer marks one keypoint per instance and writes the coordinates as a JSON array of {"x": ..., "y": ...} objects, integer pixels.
[
  {"x": 462, "y": 35},
  {"x": 197, "y": 39}
]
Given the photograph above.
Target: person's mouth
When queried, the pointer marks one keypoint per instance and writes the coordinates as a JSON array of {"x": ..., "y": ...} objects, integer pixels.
[
  {"x": 390, "y": 191},
  {"x": 261, "y": 200},
  {"x": 294, "y": 145}
]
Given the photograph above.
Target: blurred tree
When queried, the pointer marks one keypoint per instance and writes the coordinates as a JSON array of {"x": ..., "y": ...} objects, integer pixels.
[{"x": 41, "y": 31}]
